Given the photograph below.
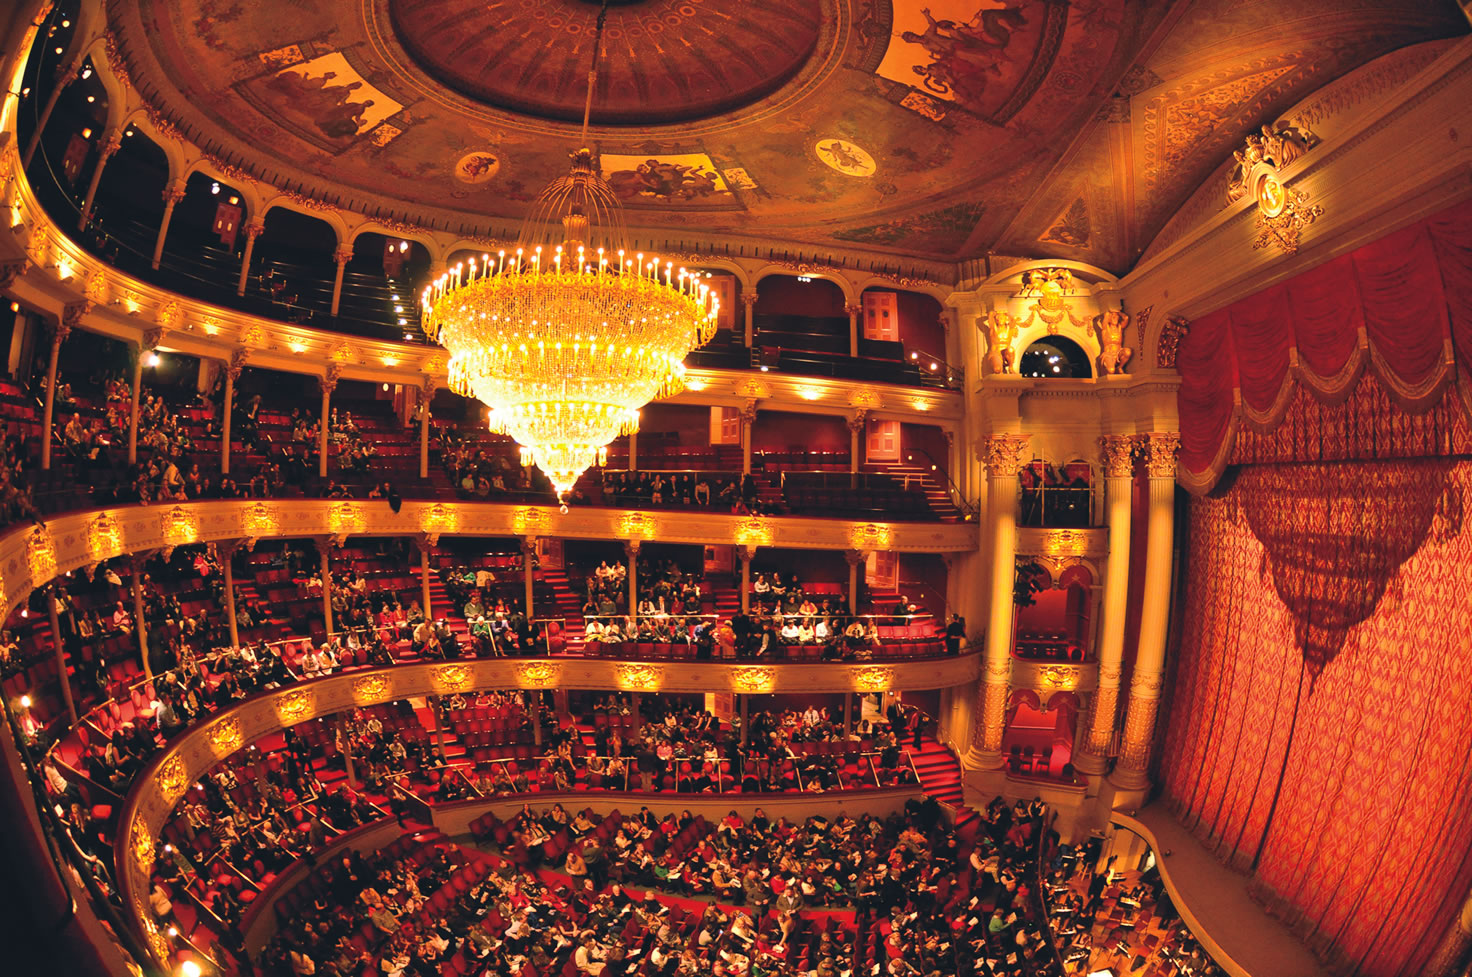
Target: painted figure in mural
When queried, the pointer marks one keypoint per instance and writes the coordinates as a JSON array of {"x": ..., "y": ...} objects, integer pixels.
[
  {"x": 1109, "y": 328},
  {"x": 1001, "y": 332},
  {"x": 325, "y": 102},
  {"x": 663, "y": 180},
  {"x": 962, "y": 55}
]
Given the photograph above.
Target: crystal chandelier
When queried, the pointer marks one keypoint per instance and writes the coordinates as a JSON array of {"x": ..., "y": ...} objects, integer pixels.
[{"x": 566, "y": 337}]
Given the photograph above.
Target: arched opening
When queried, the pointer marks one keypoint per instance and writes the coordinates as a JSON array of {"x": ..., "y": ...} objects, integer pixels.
[
  {"x": 293, "y": 277},
  {"x": 798, "y": 314},
  {"x": 1055, "y": 358},
  {"x": 130, "y": 205},
  {"x": 381, "y": 285}
]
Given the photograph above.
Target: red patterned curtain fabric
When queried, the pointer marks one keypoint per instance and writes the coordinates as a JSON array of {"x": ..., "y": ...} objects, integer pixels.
[
  {"x": 1406, "y": 294},
  {"x": 1204, "y": 402},
  {"x": 1319, "y": 733}
]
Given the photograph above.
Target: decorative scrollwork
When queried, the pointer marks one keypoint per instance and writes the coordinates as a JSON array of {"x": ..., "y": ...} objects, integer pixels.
[
  {"x": 874, "y": 678},
  {"x": 639, "y": 678},
  {"x": 452, "y": 677},
  {"x": 1059, "y": 677},
  {"x": 754, "y": 679},
  {"x": 225, "y": 737},
  {"x": 1004, "y": 453},
  {"x": 371, "y": 689},
  {"x": 296, "y": 705},
  {"x": 41, "y": 555},
  {"x": 539, "y": 675},
  {"x": 172, "y": 779}
]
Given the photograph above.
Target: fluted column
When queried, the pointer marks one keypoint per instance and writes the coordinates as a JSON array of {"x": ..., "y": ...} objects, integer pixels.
[
  {"x": 528, "y": 553},
  {"x": 631, "y": 553},
  {"x": 65, "y": 75},
  {"x": 426, "y": 397},
  {"x": 342, "y": 256},
  {"x": 328, "y": 383},
  {"x": 110, "y": 145},
  {"x": 858, "y": 422},
  {"x": 1132, "y": 770},
  {"x": 748, "y": 301},
  {"x": 70, "y": 316},
  {"x": 1003, "y": 463},
  {"x": 253, "y": 229},
  {"x": 227, "y": 406},
  {"x": 1118, "y": 453},
  {"x": 855, "y": 559},
  {"x": 748, "y": 418},
  {"x": 854, "y": 311},
  {"x": 745, "y": 554},
  {"x": 172, "y": 195},
  {"x": 1453, "y": 954}
]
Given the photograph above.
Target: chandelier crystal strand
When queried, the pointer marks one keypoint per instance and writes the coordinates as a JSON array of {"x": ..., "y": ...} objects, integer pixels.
[{"x": 566, "y": 338}]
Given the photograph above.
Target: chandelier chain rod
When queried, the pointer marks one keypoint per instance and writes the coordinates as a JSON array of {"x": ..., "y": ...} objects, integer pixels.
[{"x": 593, "y": 68}]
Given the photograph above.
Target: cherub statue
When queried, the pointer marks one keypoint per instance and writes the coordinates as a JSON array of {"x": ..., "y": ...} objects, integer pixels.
[
  {"x": 1001, "y": 332},
  {"x": 1282, "y": 146},
  {"x": 1109, "y": 327},
  {"x": 1237, "y": 179}
]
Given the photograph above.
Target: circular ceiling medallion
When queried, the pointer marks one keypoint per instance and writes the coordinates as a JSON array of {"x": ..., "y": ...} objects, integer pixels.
[
  {"x": 478, "y": 167},
  {"x": 663, "y": 61},
  {"x": 845, "y": 157}
]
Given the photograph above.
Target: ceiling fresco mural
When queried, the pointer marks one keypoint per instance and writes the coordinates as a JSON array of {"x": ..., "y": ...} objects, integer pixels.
[{"x": 940, "y": 129}]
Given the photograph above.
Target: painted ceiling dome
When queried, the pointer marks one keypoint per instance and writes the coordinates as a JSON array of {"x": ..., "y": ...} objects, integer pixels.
[{"x": 662, "y": 61}]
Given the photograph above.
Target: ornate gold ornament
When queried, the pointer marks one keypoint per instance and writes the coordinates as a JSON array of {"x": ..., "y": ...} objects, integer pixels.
[
  {"x": 637, "y": 525},
  {"x": 296, "y": 705},
  {"x": 1059, "y": 677},
  {"x": 538, "y": 675},
  {"x": 441, "y": 518},
  {"x": 224, "y": 737},
  {"x": 40, "y": 555},
  {"x": 1290, "y": 213},
  {"x": 530, "y": 521},
  {"x": 1004, "y": 453},
  {"x": 867, "y": 398},
  {"x": 260, "y": 519},
  {"x": 103, "y": 538},
  {"x": 142, "y": 845},
  {"x": 172, "y": 779},
  {"x": 451, "y": 678},
  {"x": 1160, "y": 454},
  {"x": 96, "y": 290},
  {"x": 371, "y": 689},
  {"x": 639, "y": 678},
  {"x": 346, "y": 517},
  {"x": 754, "y": 679},
  {"x": 1167, "y": 347},
  {"x": 252, "y": 336},
  {"x": 874, "y": 678},
  {"x": 754, "y": 531},
  {"x": 1065, "y": 542},
  {"x": 1118, "y": 454},
  {"x": 177, "y": 526},
  {"x": 1268, "y": 149},
  {"x": 870, "y": 536},
  {"x": 1050, "y": 287}
]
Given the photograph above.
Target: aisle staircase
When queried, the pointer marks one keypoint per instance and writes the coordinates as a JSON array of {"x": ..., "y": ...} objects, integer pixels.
[
  {"x": 939, "y": 771},
  {"x": 931, "y": 484}
]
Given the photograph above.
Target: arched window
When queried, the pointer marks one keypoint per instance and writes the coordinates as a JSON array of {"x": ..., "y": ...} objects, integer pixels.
[{"x": 1055, "y": 358}]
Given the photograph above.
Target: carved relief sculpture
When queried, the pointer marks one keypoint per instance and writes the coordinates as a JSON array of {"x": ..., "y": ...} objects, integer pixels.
[
  {"x": 1001, "y": 332},
  {"x": 1109, "y": 328},
  {"x": 1168, "y": 345}
]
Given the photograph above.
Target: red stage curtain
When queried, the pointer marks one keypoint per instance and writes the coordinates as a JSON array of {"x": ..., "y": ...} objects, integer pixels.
[
  {"x": 1208, "y": 377},
  {"x": 1409, "y": 293},
  {"x": 1347, "y": 794}
]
